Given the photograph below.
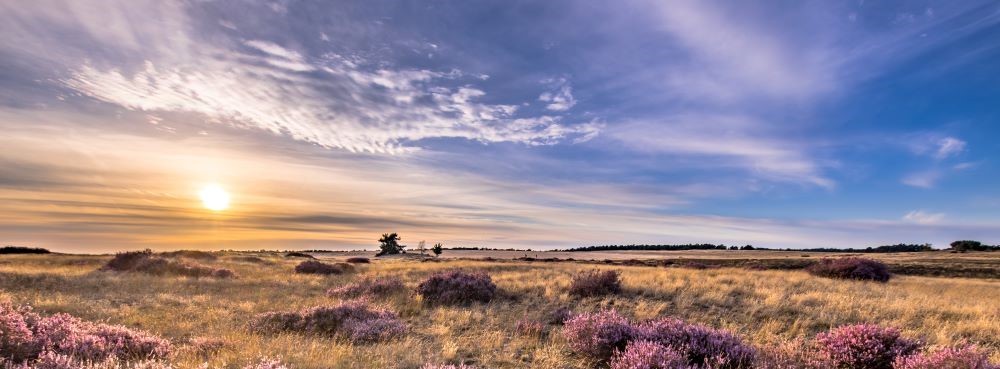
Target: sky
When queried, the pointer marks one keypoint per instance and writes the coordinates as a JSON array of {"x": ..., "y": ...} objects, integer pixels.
[{"x": 526, "y": 124}]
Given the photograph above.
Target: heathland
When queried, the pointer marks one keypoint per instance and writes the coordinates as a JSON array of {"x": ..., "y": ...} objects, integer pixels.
[{"x": 940, "y": 298}]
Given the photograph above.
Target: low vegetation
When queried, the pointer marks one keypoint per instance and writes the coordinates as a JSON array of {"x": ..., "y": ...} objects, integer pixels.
[
  {"x": 149, "y": 263},
  {"x": 595, "y": 283},
  {"x": 354, "y": 320},
  {"x": 663, "y": 317},
  {"x": 851, "y": 268},
  {"x": 318, "y": 267},
  {"x": 457, "y": 287}
]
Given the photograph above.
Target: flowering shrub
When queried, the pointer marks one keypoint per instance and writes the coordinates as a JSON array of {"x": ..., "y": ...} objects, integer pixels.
[
  {"x": 148, "y": 263},
  {"x": 864, "y": 346},
  {"x": 598, "y": 335},
  {"x": 851, "y": 268},
  {"x": 316, "y": 267},
  {"x": 965, "y": 357},
  {"x": 699, "y": 345},
  {"x": 595, "y": 283},
  {"x": 355, "y": 320},
  {"x": 29, "y": 337},
  {"x": 648, "y": 355},
  {"x": 456, "y": 287},
  {"x": 529, "y": 327},
  {"x": 368, "y": 287}
]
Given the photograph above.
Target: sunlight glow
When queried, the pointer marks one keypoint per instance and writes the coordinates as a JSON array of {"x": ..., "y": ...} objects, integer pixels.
[{"x": 213, "y": 197}]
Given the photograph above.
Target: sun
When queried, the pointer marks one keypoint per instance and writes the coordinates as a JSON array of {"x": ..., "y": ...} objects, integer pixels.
[{"x": 213, "y": 197}]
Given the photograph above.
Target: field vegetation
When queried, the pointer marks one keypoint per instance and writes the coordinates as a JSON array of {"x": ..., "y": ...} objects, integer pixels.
[{"x": 405, "y": 313}]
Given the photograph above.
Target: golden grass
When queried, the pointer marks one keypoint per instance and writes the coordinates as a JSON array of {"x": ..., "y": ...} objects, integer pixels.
[{"x": 762, "y": 306}]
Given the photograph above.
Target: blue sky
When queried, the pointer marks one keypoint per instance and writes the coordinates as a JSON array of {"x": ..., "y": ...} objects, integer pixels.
[{"x": 500, "y": 124}]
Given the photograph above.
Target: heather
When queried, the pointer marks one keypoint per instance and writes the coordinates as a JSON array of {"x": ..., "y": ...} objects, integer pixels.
[
  {"x": 595, "y": 283},
  {"x": 962, "y": 357},
  {"x": 27, "y": 337},
  {"x": 369, "y": 286},
  {"x": 355, "y": 320},
  {"x": 317, "y": 267},
  {"x": 149, "y": 263},
  {"x": 599, "y": 334},
  {"x": 456, "y": 287},
  {"x": 701, "y": 345},
  {"x": 864, "y": 346},
  {"x": 851, "y": 268},
  {"x": 648, "y": 355}
]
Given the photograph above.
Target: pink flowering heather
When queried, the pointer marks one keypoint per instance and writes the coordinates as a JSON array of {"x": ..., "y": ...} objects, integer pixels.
[
  {"x": 369, "y": 287},
  {"x": 457, "y": 287},
  {"x": 965, "y": 357},
  {"x": 28, "y": 337},
  {"x": 648, "y": 355},
  {"x": 702, "y": 346},
  {"x": 864, "y": 346},
  {"x": 851, "y": 268},
  {"x": 355, "y": 320},
  {"x": 595, "y": 283},
  {"x": 598, "y": 335},
  {"x": 149, "y": 263}
]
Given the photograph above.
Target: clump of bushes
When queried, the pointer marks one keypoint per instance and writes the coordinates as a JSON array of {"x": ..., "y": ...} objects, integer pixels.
[
  {"x": 864, "y": 346},
  {"x": 358, "y": 260},
  {"x": 317, "y": 267},
  {"x": 22, "y": 250},
  {"x": 648, "y": 355},
  {"x": 560, "y": 315},
  {"x": 457, "y": 287},
  {"x": 149, "y": 263},
  {"x": 851, "y": 268},
  {"x": 604, "y": 334},
  {"x": 964, "y": 357},
  {"x": 250, "y": 259},
  {"x": 598, "y": 335},
  {"x": 354, "y": 320},
  {"x": 595, "y": 283},
  {"x": 698, "y": 344},
  {"x": 31, "y": 339},
  {"x": 296, "y": 254},
  {"x": 369, "y": 287},
  {"x": 191, "y": 254}
]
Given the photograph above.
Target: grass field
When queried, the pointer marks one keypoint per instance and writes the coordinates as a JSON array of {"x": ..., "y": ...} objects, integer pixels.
[{"x": 762, "y": 306}]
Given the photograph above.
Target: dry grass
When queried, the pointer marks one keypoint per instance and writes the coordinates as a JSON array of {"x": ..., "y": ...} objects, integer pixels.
[{"x": 762, "y": 306}]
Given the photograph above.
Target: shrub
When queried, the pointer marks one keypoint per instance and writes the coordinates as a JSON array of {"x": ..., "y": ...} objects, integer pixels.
[
  {"x": 316, "y": 267},
  {"x": 648, "y": 355},
  {"x": 457, "y": 287},
  {"x": 148, "y": 263},
  {"x": 354, "y": 320},
  {"x": 358, "y": 260},
  {"x": 22, "y": 250},
  {"x": 528, "y": 327},
  {"x": 29, "y": 337},
  {"x": 700, "y": 345},
  {"x": 598, "y": 335},
  {"x": 250, "y": 259},
  {"x": 207, "y": 345},
  {"x": 864, "y": 346},
  {"x": 368, "y": 287},
  {"x": 595, "y": 283},
  {"x": 851, "y": 268},
  {"x": 191, "y": 254},
  {"x": 965, "y": 357},
  {"x": 299, "y": 255}
]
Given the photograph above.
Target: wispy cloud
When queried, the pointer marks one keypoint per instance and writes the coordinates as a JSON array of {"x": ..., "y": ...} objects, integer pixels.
[
  {"x": 923, "y": 217},
  {"x": 561, "y": 98}
]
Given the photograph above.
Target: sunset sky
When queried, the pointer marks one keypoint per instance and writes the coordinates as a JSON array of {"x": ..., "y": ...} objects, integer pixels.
[{"x": 528, "y": 124}]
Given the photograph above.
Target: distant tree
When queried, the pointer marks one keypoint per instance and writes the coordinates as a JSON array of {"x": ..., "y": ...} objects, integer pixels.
[
  {"x": 437, "y": 249},
  {"x": 966, "y": 245},
  {"x": 734, "y": 248},
  {"x": 747, "y": 247},
  {"x": 422, "y": 247},
  {"x": 389, "y": 244}
]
